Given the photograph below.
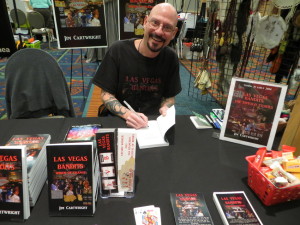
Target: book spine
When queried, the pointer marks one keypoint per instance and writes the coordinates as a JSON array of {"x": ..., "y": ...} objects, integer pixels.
[{"x": 106, "y": 146}]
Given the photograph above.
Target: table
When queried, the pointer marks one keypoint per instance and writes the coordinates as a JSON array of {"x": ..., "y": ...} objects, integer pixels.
[{"x": 197, "y": 162}]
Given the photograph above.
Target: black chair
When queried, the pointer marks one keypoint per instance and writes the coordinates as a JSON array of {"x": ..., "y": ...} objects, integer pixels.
[
  {"x": 37, "y": 25},
  {"x": 36, "y": 86},
  {"x": 20, "y": 20}
]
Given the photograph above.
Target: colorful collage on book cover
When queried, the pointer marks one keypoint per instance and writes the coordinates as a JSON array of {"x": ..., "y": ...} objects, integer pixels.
[
  {"x": 11, "y": 184},
  {"x": 82, "y": 133},
  {"x": 70, "y": 179},
  {"x": 252, "y": 112},
  {"x": 237, "y": 209},
  {"x": 34, "y": 143},
  {"x": 190, "y": 208}
]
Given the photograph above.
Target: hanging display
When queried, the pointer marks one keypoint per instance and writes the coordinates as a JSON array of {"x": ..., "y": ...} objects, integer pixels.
[
  {"x": 7, "y": 42},
  {"x": 80, "y": 23},
  {"x": 131, "y": 17}
]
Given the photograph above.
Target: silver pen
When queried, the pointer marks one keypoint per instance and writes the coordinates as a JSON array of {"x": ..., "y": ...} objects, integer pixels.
[{"x": 131, "y": 109}]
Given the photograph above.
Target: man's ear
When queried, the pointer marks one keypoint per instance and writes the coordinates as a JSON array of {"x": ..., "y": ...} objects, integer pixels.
[
  {"x": 175, "y": 32},
  {"x": 145, "y": 20}
]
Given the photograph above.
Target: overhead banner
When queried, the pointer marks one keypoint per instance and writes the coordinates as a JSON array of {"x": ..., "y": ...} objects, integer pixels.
[
  {"x": 7, "y": 42},
  {"x": 131, "y": 17},
  {"x": 80, "y": 23}
]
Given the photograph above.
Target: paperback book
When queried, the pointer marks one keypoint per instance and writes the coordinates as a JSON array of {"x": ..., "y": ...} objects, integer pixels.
[
  {"x": 14, "y": 197},
  {"x": 252, "y": 112},
  {"x": 71, "y": 179},
  {"x": 82, "y": 133},
  {"x": 106, "y": 139},
  {"x": 35, "y": 145},
  {"x": 117, "y": 150},
  {"x": 36, "y": 160},
  {"x": 190, "y": 209},
  {"x": 235, "y": 208},
  {"x": 200, "y": 122},
  {"x": 155, "y": 134}
]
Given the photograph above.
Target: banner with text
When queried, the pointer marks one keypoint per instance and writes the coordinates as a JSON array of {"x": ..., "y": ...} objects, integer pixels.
[
  {"x": 80, "y": 23},
  {"x": 131, "y": 17},
  {"x": 7, "y": 42}
]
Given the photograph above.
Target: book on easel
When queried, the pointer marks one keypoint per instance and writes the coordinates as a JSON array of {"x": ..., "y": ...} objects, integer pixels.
[
  {"x": 72, "y": 183},
  {"x": 14, "y": 199}
]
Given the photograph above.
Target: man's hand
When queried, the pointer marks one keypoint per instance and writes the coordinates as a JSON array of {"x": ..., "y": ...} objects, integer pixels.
[
  {"x": 165, "y": 105},
  {"x": 136, "y": 120},
  {"x": 163, "y": 110}
]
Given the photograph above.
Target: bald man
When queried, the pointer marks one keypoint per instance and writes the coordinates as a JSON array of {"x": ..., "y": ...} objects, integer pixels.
[{"x": 143, "y": 72}]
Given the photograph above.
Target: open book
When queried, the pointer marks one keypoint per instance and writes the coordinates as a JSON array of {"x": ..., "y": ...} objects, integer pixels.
[{"x": 154, "y": 134}]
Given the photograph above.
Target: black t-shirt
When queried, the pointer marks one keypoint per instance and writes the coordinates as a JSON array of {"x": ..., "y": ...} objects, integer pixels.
[{"x": 143, "y": 82}]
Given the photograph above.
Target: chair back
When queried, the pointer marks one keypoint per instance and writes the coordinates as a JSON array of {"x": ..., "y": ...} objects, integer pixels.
[
  {"x": 36, "y": 20},
  {"x": 36, "y": 86},
  {"x": 20, "y": 15}
]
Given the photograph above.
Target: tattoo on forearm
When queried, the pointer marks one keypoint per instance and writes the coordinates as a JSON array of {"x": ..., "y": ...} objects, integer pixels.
[{"x": 113, "y": 105}]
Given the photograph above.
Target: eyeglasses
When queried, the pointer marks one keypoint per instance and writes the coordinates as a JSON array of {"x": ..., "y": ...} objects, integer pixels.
[{"x": 155, "y": 24}]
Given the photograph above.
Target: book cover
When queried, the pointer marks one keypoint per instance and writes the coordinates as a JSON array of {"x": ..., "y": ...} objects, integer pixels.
[
  {"x": 35, "y": 145},
  {"x": 155, "y": 134},
  {"x": 190, "y": 209},
  {"x": 235, "y": 208},
  {"x": 71, "y": 179},
  {"x": 126, "y": 150},
  {"x": 106, "y": 146},
  {"x": 80, "y": 133},
  {"x": 200, "y": 122},
  {"x": 14, "y": 197},
  {"x": 252, "y": 112}
]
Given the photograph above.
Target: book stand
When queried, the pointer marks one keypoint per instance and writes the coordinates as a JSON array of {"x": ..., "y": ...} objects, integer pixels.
[{"x": 115, "y": 191}]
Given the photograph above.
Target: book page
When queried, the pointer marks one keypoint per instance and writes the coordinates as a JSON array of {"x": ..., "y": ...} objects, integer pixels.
[
  {"x": 150, "y": 136},
  {"x": 167, "y": 121},
  {"x": 154, "y": 134}
]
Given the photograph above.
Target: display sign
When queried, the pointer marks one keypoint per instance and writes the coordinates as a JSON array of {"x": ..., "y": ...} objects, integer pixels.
[
  {"x": 131, "y": 17},
  {"x": 80, "y": 23},
  {"x": 252, "y": 112},
  {"x": 7, "y": 42}
]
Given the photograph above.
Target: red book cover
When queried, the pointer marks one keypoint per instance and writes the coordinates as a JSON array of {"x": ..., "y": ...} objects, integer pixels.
[
  {"x": 14, "y": 195},
  {"x": 252, "y": 112}
]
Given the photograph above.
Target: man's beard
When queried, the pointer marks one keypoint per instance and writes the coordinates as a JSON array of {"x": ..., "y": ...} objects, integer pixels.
[{"x": 156, "y": 37}]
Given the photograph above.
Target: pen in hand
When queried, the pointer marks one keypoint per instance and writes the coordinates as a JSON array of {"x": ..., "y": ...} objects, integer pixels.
[{"x": 132, "y": 110}]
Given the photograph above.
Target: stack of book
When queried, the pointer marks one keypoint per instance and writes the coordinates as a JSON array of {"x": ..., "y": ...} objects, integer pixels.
[
  {"x": 36, "y": 161},
  {"x": 14, "y": 198}
]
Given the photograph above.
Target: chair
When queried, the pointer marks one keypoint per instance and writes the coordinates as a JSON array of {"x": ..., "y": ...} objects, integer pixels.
[
  {"x": 37, "y": 24},
  {"x": 36, "y": 86},
  {"x": 19, "y": 19}
]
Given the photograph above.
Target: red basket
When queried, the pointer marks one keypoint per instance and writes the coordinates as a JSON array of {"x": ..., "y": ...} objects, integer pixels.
[{"x": 268, "y": 193}]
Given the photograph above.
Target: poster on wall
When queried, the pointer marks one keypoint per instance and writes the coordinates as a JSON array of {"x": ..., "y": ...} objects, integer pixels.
[
  {"x": 252, "y": 112},
  {"x": 80, "y": 23},
  {"x": 7, "y": 42},
  {"x": 131, "y": 17}
]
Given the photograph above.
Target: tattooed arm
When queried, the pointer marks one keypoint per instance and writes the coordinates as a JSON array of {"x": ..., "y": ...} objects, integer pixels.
[
  {"x": 135, "y": 120},
  {"x": 166, "y": 104}
]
